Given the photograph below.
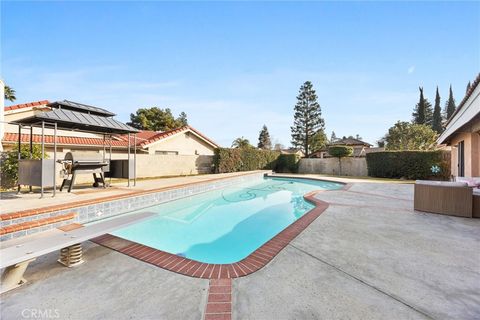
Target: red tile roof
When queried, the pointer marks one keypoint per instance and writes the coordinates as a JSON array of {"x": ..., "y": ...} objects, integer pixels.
[
  {"x": 27, "y": 105},
  {"x": 143, "y": 138},
  {"x": 62, "y": 140},
  {"x": 165, "y": 134}
]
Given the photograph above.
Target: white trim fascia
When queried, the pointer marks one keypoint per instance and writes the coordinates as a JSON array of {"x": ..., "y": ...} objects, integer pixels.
[{"x": 470, "y": 109}]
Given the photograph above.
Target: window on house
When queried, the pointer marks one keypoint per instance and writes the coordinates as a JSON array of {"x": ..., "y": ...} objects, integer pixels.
[
  {"x": 461, "y": 159},
  {"x": 162, "y": 152}
]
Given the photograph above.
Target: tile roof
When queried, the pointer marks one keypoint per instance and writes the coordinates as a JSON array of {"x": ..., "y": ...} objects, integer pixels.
[
  {"x": 350, "y": 142},
  {"x": 62, "y": 140},
  {"x": 143, "y": 138},
  {"x": 27, "y": 105},
  {"x": 165, "y": 134}
]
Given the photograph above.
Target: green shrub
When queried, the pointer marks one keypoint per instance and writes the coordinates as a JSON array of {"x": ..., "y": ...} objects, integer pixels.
[
  {"x": 409, "y": 164},
  {"x": 9, "y": 163},
  {"x": 287, "y": 163},
  {"x": 340, "y": 151},
  {"x": 244, "y": 159}
]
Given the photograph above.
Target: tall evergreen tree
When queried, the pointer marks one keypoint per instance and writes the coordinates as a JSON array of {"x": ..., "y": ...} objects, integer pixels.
[
  {"x": 450, "y": 105},
  {"x": 437, "y": 123},
  {"x": 469, "y": 85},
  {"x": 333, "y": 137},
  {"x": 264, "y": 141},
  {"x": 307, "y": 118},
  {"x": 422, "y": 113}
]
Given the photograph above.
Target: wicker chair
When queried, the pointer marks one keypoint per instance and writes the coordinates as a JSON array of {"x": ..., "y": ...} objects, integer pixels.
[{"x": 449, "y": 198}]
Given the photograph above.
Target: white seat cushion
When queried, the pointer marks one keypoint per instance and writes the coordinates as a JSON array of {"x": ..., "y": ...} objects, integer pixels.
[{"x": 441, "y": 183}]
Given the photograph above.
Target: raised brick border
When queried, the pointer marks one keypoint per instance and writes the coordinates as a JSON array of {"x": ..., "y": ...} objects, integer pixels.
[
  {"x": 219, "y": 301},
  {"x": 254, "y": 262},
  {"x": 36, "y": 223}
]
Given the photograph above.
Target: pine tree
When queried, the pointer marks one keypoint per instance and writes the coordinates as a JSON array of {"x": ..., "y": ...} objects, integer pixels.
[
  {"x": 264, "y": 141},
  {"x": 333, "y": 137},
  {"x": 307, "y": 119},
  {"x": 450, "y": 105},
  {"x": 422, "y": 113},
  {"x": 437, "y": 115},
  {"x": 469, "y": 85}
]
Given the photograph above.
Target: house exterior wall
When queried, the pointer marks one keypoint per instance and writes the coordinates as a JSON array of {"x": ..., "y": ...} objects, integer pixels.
[
  {"x": 184, "y": 143},
  {"x": 152, "y": 165},
  {"x": 472, "y": 152}
]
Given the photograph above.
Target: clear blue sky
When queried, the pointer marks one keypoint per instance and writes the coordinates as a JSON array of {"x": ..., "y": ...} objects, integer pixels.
[{"x": 233, "y": 67}]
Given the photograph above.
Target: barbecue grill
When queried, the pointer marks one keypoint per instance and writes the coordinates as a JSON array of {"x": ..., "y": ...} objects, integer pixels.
[{"x": 83, "y": 163}]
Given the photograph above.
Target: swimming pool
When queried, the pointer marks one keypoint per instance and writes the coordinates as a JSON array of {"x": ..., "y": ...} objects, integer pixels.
[{"x": 225, "y": 226}]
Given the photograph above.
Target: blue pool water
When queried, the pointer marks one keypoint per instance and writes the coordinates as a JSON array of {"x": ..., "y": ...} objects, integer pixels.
[{"x": 225, "y": 226}]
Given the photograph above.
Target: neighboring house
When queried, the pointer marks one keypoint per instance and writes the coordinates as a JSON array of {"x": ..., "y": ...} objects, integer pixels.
[
  {"x": 181, "y": 141},
  {"x": 298, "y": 152},
  {"x": 462, "y": 133},
  {"x": 360, "y": 148}
]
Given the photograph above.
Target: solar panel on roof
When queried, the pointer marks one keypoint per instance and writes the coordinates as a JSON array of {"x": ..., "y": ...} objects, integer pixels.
[{"x": 80, "y": 120}]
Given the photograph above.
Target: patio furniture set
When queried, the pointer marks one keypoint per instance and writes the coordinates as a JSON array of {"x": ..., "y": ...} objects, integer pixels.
[{"x": 458, "y": 198}]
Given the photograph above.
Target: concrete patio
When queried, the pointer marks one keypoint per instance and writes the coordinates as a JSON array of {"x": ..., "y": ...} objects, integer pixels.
[{"x": 368, "y": 256}]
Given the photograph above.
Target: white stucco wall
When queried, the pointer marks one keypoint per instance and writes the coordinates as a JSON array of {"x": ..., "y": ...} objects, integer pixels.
[{"x": 185, "y": 143}]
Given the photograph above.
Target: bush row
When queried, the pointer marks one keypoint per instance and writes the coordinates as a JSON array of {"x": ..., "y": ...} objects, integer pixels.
[
  {"x": 247, "y": 159},
  {"x": 409, "y": 164}
]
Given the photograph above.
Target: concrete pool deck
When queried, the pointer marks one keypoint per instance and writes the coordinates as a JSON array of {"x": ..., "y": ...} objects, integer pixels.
[{"x": 368, "y": 256}]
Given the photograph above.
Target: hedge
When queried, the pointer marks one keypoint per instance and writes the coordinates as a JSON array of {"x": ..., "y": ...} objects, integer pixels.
[
  {"x": 247, "y": 159},
  {"x": 410, "y": 165}
]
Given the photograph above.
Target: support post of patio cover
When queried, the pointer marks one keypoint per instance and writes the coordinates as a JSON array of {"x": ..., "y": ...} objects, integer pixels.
[
  {"x": 31, "y": 150},
  {"x": 54, "y": 159},
  {"x": 128, "y": 163},
  {"x": 110, "y": 165},
  {"x": 42, "y": 156},
  {"x": 19, "y": 156},
  {"x": 134, "y": 159}
]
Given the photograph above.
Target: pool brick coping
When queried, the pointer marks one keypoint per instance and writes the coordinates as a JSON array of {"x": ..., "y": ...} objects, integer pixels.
[
  {"x": 219, "y": 297},
  {"x": 252, "y": 263}
]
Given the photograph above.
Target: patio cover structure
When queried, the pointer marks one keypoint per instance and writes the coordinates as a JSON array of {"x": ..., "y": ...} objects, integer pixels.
[{"x": 73, "y": 116}]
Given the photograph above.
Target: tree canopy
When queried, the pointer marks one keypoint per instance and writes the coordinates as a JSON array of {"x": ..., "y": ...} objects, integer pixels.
[
  {"x": 9, "y": 93},
  {"x": 333, "y": 137},
  {"x": 156, "y": 119},
  {"x": 410, "y": 136},
  {"x": 450, "y": 105},
  {"x": 307, "y": 118},
  {"x": 437, "y": 122},
  {"x": 241, "y": 143},
  {"x": 319, "y": 141},
  {"x": 264, "y": 141},
  {"x": 423, "y": 113}
]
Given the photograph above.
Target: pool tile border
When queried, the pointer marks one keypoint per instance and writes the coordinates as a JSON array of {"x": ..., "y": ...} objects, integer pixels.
[{"x": 252, "y": 263}]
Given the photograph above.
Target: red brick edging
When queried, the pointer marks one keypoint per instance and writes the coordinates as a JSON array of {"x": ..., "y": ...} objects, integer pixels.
[
  {"x": 36, "y": 223},
  {"x": 253, "y": 262},
  {"x": 219, "y": 301}
]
